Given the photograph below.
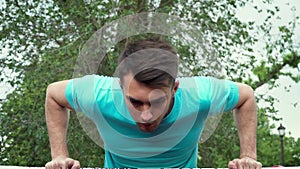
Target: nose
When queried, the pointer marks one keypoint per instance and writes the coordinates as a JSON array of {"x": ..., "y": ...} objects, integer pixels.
[{"x": 146, "y": 114}]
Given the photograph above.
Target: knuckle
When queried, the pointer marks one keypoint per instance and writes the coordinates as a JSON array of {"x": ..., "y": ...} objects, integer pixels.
[
  {"x": 59, "y": 164},
  {"x": 55, "y": 164},
  {"x": 243, "y": 162},
  {"x": 49, "y": 165}
]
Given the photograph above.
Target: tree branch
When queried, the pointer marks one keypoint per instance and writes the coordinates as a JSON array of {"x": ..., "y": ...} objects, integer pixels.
[
  {"x": 292, "y": 60},
  {"x": 141, "y": 6},
  {"x": 164, "y": 3}
]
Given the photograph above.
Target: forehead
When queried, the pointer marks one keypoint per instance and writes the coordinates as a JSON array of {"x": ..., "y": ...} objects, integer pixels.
[{"x": 133, "y": 88}]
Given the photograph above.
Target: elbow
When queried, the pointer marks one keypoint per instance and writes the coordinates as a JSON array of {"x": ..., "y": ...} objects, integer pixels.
[
  {"x": 249, "y": 90},
  {"x": 51, "y": 95},
  {"x": 246, "y": 91},
  {"x": 50, "y": 91},
  {"x": 247, "y": 97},
  {"x": 55, "y": 96}
]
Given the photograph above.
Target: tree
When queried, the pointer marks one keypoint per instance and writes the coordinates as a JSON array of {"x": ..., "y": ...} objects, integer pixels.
[{"x": 44, "y": 38}]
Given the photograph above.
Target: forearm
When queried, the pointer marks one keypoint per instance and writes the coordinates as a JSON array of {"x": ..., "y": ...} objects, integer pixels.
[
  {"x": 57, "y": 118},
  {"x": 246, "y": 122}
]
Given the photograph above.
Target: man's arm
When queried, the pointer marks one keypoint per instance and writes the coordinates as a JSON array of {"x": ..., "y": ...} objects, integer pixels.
[
  {"x": 246, "y": 121},
  {"x": 57, "y": 118}
]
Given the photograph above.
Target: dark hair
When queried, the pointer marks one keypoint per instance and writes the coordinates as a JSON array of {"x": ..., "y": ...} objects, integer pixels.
[{"x": 153, "y": 62}]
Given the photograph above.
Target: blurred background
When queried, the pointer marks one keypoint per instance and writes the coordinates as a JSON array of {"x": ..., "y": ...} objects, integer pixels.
[{"x": 257, "y": 43}]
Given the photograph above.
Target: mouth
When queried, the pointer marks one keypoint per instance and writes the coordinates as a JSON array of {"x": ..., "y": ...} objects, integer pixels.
[{"x": 146, "y": 127}]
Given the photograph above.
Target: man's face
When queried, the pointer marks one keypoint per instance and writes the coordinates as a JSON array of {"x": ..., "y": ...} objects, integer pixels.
[{"x": 148, "y": 106}]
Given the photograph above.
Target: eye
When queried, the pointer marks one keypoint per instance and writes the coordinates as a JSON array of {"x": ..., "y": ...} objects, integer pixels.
[
  {"x": 156, "y": 102},
  {"x": 159, "y": 101},
  {"x": 136, "y": 103}
]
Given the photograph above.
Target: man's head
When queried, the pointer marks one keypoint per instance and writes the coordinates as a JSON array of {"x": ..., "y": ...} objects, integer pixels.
[
  {"x": 147, "y": 70},
  {"x": 153, "y": 62}
]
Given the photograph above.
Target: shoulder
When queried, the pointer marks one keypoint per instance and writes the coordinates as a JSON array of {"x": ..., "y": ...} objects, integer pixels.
[
  {"x": 206, "y": 86},
  {"x": 195, "y": 82},
  {"x": 94, "y": 80},
  {"x": 94, "y": 77},
  {"x": 196, "y": 87}
]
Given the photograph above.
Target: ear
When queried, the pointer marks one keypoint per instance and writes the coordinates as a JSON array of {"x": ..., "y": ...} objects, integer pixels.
[{"x": 176, "y": 85}]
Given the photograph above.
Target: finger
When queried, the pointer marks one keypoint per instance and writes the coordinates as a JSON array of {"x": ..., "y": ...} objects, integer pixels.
[
  {"x": 64, "y": 165},
  {"x": 53, "y": 165},
  {"x": 47, "y": 166},
  {"x": 57, "y": 165},
  {"x": 76, "y": 165},
  {"x": 60, "y": 164},
  {"x": 239, "y": 163},
  {"x": 232, "y": 165},
  {"x": 258, "y": 166},
  {"x": 73, "y": 164},
  {"x": 249, "y": 163}
]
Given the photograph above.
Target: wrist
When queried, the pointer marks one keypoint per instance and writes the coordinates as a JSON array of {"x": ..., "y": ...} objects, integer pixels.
[
  {"x": 248, "y": 156},
  {"x": 60, "y": 156}
]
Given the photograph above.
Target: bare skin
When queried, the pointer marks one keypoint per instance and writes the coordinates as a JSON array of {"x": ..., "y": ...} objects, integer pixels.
[
  {"x": 147, "y": 106},
  {"x": 246, "y": 121},
  {"x": 57, "y": 117}
]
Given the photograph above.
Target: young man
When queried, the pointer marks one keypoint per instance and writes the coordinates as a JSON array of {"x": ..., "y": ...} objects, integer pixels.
[{"x": 147, "y": 117}]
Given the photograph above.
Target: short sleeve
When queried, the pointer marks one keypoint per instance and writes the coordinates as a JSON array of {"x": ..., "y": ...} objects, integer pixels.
[
  {"x": 69, "y": 93},
  {"x": 81, "y": 94},
  {"x": 233, "y": 95},
  {"x": 223, "y": 95}
]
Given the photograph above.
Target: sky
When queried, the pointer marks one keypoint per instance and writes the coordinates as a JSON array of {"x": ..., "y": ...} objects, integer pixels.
[
  {"x": 286, "y": 109},
  {"x": 288, "y": 113}
]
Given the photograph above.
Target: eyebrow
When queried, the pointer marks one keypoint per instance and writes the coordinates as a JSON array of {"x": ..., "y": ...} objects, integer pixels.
[
  {"x": 133, "y": 99},
  {"x": 137, "y": 100}
]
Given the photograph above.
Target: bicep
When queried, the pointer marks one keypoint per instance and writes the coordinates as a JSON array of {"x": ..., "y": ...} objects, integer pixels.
[
  {"x": 56, "y": 92},
  {"x": 246, "y": 93}
]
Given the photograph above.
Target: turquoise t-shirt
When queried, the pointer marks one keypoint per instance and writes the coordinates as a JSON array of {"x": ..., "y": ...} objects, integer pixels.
[{"x": 174, "y": 143}]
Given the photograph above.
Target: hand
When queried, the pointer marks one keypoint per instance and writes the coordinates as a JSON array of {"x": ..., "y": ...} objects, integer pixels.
[
  {"x": 244, "y": 163},
  {"x": 63, "y": 163}
]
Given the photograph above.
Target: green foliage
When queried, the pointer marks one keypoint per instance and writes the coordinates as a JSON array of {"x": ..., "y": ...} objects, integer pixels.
[
  {"x": 222, "y": 145},
  {"x": 45, "y": 37}
]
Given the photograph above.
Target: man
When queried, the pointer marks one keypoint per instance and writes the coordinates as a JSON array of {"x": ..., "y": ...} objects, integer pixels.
[{"x": 147, "y": 117}]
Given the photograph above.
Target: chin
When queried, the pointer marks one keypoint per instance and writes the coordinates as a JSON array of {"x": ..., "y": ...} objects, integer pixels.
[{"x": 146, "y": 128}]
